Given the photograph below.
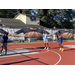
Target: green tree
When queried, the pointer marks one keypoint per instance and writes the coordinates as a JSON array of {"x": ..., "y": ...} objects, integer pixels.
[
  {"x": 4, "y": 13},
  {"x": 26, "y": 11},
  {"x": 74, "y": 23},
  {"x": 60, "y": 18},
  {"x": 11, "y": 13}
]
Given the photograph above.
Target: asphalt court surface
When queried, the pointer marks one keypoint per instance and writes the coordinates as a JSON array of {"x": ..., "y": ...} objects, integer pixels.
[{"x": 15, "y": 52}]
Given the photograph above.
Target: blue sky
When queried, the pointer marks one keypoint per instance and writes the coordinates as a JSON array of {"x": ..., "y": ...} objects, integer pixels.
[
  {"x": 36, "y": 12},
  {"x": 74, "y": 18},
  {"x": 73, "y": 9}
]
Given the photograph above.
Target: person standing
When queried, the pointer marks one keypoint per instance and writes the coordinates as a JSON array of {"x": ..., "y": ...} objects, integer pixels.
[
  {"x": 4, "y": 42},
  {"x": 45, "y": 39},
  {"x": 54, "y": 37},
  {"x": 60, "y": 41}
]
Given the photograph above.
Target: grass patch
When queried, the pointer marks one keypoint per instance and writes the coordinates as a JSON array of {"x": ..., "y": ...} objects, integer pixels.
[
  {"x": 38, "y": 41},
  {"x": 68, "y": 40},
  {"x": 17, "y": 42}
]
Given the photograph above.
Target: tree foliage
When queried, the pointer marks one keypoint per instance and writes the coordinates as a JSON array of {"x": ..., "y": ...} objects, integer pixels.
[
  {"x": 11, "y": 13},
  {"x": 59, "y": 18}
]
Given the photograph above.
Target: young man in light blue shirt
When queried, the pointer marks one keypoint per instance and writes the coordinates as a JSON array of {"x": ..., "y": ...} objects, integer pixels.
[{"x": 45, "y": 39}]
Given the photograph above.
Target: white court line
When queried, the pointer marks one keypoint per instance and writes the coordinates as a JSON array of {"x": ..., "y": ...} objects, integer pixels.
[
  {"x": 54, "y": 52},
  {"x": 59, "y": 56},
  {"x": 44, "y": 52}
]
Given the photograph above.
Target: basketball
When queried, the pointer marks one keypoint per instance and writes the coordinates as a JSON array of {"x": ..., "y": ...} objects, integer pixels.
[
  {"x": 37, "y": 22},
  {"x": 33, "y": 35},
  {"x": 60, "y": 36}
]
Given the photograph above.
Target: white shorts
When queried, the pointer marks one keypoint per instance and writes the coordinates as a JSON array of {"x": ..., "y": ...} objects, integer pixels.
[
  {"x": 54, "y": 38},
  {"x": 45, "y": 40}
]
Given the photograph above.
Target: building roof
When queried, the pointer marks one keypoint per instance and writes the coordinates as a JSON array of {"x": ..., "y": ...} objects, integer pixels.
[
  {"x": 27, "y": 15},
  {"x": 15, "y": 23}
]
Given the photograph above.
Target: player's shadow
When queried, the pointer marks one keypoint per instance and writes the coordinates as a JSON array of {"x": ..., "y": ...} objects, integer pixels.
[
  {"x": 39, "y": 47},
  {"x": 72, "y": 49},
  {"x": 55, "y": 48},
  {"x": 16, "y": 62},
  {"x": 30, "y": 59},
  {"x": 36, "y": 48}
]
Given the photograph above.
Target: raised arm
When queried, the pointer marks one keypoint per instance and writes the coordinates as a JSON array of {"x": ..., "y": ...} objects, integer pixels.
[
  {"x": 15, "y": 35},
  {"x": 50, "y": 35}
]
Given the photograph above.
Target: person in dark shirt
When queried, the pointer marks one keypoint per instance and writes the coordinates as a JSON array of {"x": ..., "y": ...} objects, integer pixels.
[
  {"x": 60, "y": 41},
  {"x": 4, "y": 42}
]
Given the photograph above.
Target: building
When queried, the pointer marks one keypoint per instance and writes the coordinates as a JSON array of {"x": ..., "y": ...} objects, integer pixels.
[
  {"x": 21, "y": 23},
  {"x": 28, "y": 19}
]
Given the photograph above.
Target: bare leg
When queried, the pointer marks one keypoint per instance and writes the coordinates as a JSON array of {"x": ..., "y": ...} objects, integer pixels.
[
  {"x": 1, "y": 49},
  {"x": 5, "y": 50},
  {"x": 60, "y": 45},
  {"x": 47, "y": 45}
]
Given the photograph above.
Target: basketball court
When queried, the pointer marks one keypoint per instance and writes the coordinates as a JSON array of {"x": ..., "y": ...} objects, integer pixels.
[{"x": 35, "y": 54}]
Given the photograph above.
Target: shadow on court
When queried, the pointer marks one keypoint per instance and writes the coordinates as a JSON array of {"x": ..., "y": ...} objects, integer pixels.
[
  {"x": 55, "y": 48},
  {"x": 20, "y": 61},
  {"x": 36, "y": 48},
  {"x": 73, "y": 49},
  {"x": 30, "y": 59}
]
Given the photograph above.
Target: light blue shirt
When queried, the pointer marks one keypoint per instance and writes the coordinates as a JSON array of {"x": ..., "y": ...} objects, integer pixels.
[{"x": 45, "y": 36}]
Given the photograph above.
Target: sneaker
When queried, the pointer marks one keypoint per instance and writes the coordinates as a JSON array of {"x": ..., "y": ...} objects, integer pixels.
[
  {"x": 62, "y": 50},
  {"x": 45, "y": 48}
]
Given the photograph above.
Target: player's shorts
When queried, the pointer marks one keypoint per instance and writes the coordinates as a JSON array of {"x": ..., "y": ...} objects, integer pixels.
[
  {"x": 54, "y": 38},
  {"x": 4, "y": 45},
  {"x": 45, "y": 40},
  {"x": 60, "y": 41}
]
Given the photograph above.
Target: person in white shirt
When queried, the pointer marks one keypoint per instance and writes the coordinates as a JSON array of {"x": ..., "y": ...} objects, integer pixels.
[
  {"x": 54, "y": 37},
  {"x": 45, "y": 39}
]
